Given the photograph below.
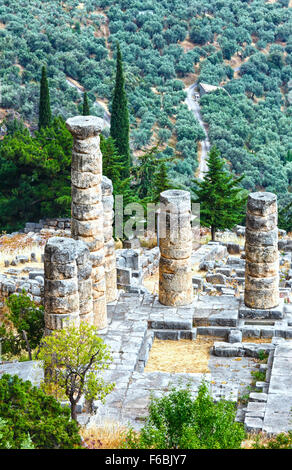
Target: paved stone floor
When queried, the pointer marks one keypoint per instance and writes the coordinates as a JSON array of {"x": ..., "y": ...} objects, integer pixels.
[
  {"x": 130, "y": 340},
  {"x": 134, "y": 319}
]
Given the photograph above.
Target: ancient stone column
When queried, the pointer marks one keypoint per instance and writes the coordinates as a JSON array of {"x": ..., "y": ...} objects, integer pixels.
[
  {"x": 87, "y": 208},
  {"x": 84, "y": 279},
  {"x": 109, "y": 243},
  {"x": 261, "y": 252},
  {"x": 175, "y": 242},
  {"x": 61, "y": 297}
]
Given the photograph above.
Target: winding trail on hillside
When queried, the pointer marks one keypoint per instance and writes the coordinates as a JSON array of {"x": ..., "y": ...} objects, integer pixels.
[
  {"x": 194, "y": 106},
  {"x": 106, "y": 115}
]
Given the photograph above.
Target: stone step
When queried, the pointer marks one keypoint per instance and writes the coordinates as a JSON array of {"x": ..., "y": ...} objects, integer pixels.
[
  {"x": 176, "y": 335},
  {"x": 276, "y": 313},
  {"x": 171, "y": 323}
]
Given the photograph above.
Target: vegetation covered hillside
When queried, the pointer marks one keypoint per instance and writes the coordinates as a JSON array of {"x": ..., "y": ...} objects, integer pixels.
[{"x": 167, "y": 45}]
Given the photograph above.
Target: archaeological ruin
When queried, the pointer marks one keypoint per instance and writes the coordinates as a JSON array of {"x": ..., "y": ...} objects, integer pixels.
[
  {"x": 237, "y": 292},
  {"x": 175, "y": 269},
  {"x": 87, "y": 207},
  {"x": 261, "y": 252}
]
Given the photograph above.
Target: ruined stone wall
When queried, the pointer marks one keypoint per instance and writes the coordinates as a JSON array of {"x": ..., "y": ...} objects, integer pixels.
[
  {"x": 175, "y": 242},
  {"x": 87, "y": 208},
  {"x": 261, "y": 252}
]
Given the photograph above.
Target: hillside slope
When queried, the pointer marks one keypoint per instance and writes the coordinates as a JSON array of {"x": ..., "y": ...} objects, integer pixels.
[{"x": 167, "y": 45}]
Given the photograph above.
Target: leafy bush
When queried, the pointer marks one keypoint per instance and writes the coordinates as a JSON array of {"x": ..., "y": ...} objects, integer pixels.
[
  {"x": 6, "y": 437},
  {"x": 28, "y": 410},
  {"x": 179, "y": 421},
  {"x": 281, "y": 441},
  {"x": 27, "y": 320},
  {"x": 73, "y": 359}
]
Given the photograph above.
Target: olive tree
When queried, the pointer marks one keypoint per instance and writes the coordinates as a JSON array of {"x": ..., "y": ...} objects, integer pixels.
[{"x": 73, "y": 360}]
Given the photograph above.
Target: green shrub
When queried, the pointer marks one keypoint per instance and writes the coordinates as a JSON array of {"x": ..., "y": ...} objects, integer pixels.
[
  {"x": 281, "y": 441},
  {"x": 27, "y": 410},
  {"x": 6, "y": 437},
  {"x": 179, "y": 421},
  {"x": 26, "y": 325},
  {"x": 258, "y": 376}
]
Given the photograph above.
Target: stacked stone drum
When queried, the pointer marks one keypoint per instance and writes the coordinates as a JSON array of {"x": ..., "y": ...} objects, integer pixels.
[
  {"x": 109, "y": 243},
  {"x": 175, "y": 242},
  {"x": 261, "y": 252},
  {"x": 87, "y": 208},
  {"x": 64, "y": 261}
]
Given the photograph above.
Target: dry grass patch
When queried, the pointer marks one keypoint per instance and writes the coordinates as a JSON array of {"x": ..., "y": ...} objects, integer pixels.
[
  {"x": 190, "y": 79},
  {"x": 261, "y": 439},
  {"x": 152, "y": 282},
  {"x": 19, "y": 245},
  {"x": 185, "y": 356},
  {"x": 256, "y": 340},
  {"x": 107, "y": 435},
  {"x": 149, "y": 241},
  {"x": 4, "y": 311}
]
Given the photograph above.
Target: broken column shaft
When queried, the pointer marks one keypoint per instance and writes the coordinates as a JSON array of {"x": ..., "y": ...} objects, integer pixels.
[
  {"x": 261, "y": 252},
  {"x": 64, "y": 295},
  {"x": 175, "y": 243},
  {"x": 87, "y": 208}
]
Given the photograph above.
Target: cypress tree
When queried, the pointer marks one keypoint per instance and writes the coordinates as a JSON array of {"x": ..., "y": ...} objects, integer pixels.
[
  {"x": 85, "y": 107},
  {"x": 45, "y": 115},
  {"x": 112, "y": 166},
  {"x": 161, "y": 182},
  {"x": 119, "y": 130},
  {"x": 221, "y": 202}
]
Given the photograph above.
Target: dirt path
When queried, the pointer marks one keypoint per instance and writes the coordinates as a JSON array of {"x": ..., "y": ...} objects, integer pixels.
[
  {"x": 80, "y": 89},
  {"x": 194, "y": 106}
]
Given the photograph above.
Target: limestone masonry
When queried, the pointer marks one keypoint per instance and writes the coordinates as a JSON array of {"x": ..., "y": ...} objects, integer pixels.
[
  {"x": 87, "y": 208},
  {"x": 109, "y": 243},
  {"x": 261, "y": 252},
  {"x": 67, "y": 283},
  {"x": 175, "y": 242}
]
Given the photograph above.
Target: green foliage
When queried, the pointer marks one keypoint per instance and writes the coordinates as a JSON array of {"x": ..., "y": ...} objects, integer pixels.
[
  {"x": 281, "y": 441},
  {"x": 179, "y": 421},
  {"x": 36, "y": 175},
  {"x": 112, "y": 168},
  {"x": 258, "y": 376},
  {"x": 263, "y": 356},
  {"x": 255, "y": 143},
  {"x": 285, "y": 217},
  {"x": 161, "y": 181},
  {"x": 85, "y": 106},
  {"x": 45, "y": 115},
  {"x": 120, "y": 117},
  {"x": 28, "y": 411},
  {"x": 73, "y": 358},
  {"x": 221, "y": 201},
  {"x": 151, "y": 175},
  {"x": 26, "y": 325},
  {"x": 6, "y": 437}
]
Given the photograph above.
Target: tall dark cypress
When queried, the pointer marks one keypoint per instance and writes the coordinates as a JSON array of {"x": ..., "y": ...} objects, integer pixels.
[
  {"x": 119, "y": 130},
  {"x": 45, "y": 116},
  {"x": 85, "y": 107}
]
